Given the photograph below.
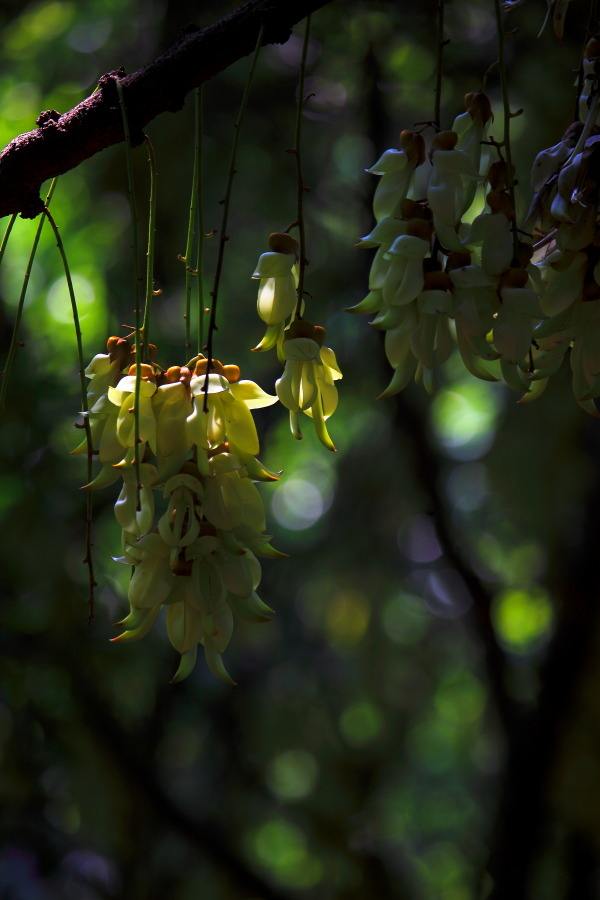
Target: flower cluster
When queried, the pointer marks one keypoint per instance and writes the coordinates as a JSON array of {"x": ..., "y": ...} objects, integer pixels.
[
  {"x": 311, "y": 370},
  {"x": 192, "y": 519},
  {"x": 564, "y": 212},
  {"x": 448, "y": 272}
]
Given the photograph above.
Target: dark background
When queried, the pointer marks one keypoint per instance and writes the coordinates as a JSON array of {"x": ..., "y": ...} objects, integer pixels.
[{"x": 421, "y": 720}]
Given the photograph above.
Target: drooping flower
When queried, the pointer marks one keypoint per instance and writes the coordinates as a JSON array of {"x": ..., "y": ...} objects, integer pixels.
[
  {"x": 277, "y": 273},
  {"x": 396, "y": 169},
  {"x": 172, "y": 405},
  {"x": 123, "y": 396},
  {"x": 308, "y": 381},
  {"x": 452, "y": 175},
  {"x": 404, "y": 279},
  {"x": 228, "y": 404},
  {"x": 493, "y": 233},
  {"x": 514, "y": 326}
]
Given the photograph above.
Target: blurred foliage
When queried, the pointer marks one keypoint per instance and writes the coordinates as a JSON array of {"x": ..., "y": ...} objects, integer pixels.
[{"x": 359, "y": 754}]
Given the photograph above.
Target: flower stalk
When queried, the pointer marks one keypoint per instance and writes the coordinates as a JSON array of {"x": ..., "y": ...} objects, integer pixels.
[
  {"x": 14, "y": 340},
  {"x": 508, "y": 115},
  {"x": 88, "y": 559},
  {"x": 190, "y": 270},
  {"x": 137, "y": 275},
  {"x": 301, "y": 187},
  {"x": 223, "y": 236}
]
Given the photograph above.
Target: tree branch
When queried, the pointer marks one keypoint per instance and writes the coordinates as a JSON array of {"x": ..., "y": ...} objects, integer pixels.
[
  {"x": 523, "y": 818},
  {"x": 427, "y": 469},
  {"x": 62, "y": 142}
]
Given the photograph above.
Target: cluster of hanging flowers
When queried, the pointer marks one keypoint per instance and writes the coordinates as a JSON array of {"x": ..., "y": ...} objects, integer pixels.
[
  {"x": 310, "y": 369},
  {"x": 452, "y": 269},
  {"x": 192, "y": 519},
  {"x": 564, "y": 211}
]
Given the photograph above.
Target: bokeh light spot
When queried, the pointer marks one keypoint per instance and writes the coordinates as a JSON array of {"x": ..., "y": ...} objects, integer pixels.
[
  {"x": 347, "y": 617},
  {"x": 281, "y": 847},
  {"x": 464, "y": 418},
  {"x": 292, "y": 775},
  {"x": 361, "y": 723},
  {"x": 298, "y": 504},
  {"x": 522, "y": 618}
]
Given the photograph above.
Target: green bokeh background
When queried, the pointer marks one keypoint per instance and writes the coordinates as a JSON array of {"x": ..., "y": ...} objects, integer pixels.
[{"x": 361, "y": 754}]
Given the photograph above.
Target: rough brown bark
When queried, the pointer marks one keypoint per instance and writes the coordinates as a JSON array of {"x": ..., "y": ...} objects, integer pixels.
[{"x": 62, "y": 142}]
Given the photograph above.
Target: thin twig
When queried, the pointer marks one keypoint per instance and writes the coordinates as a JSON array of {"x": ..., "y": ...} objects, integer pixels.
[
  {"x": 6, "y": 235},
  {"x": 14, "y": 340},
  {"x": 199, "y": 261},
  {"x": 223, "y": 236},
  {"x": 138, "y": 287},
  {"x": 88, "y": 559},
  {"x": 439, "y": 66},
  {"x": 510, "y": 176},
  {"x": 149, "y": 249},
  {"x": 191, "y": 231},
  {"x": 301, "y": 187}
]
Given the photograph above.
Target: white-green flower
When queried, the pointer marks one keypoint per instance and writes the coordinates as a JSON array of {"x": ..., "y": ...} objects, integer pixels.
[{"x": 308, "y": 382}]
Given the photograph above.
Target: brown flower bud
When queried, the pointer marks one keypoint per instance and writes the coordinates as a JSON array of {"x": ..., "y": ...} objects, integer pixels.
[
  {"x": 498, "y": 175},
  {"x": 524, "y": 254},
  {"x": 499, "y": 202},
  {"x": 280, "y": 242},
  {"x": 436, "y": 281},
  {"x": 514, "y": 278},
  {"x": 478, "y": 104},
  {"x": 232, "y": 373},
  {"x": 118, "y": 348},
  {"x": 190, "y": 468},
  {"x": 457, "y": 259},
  {"x": 302, "y": 329},
  {"x": 413, "y": 144},
  {"x": 202, "y": 364},
  {"x": 591, "y": 291},
  {"x": 420, "y": 228},
  {"x": 173, "y": 374},
  {"x": 146, "y": 371},
  {"x": 220, "y": 448},
  {"x": 592, "y": 49},
  {"x": 181, "y": 567},
  {"x": 410, "y": 209},
  {"x": 444, "y": 140}
]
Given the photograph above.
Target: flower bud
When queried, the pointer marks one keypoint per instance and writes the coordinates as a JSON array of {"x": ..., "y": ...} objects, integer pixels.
[
  {"x": 498, "y": 175},
  {"x": 215, "y": 366},
  {"x": 146, "y": 371},
  {"x": 413, "y": 145},
  {"x": 280, "y": 242},
  {"x": 591, "y": 291},
  {"x": 524, "y": 254},
  {"x": 444, "y": 140},
  {"x": 118, "y": 348},
  {"x": 302, "y": 329},
  {"x": 478, "y": 104},
  {"x": 232, "y": 373},
  {"x": 182, "y": 567},
  {"x": 173, "y": 374},
  {"x": 499, "y": 202},
  {"x": 420, "y": 228},
  {"x": 436, "y": 281},
  {"x": 220, "y": 448},
  {"x": 514, "y": 278},
  {"x": 458, "y": 259},
  {"x": 410, "y": 209},
  {"x": 592, "y": 49}
]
